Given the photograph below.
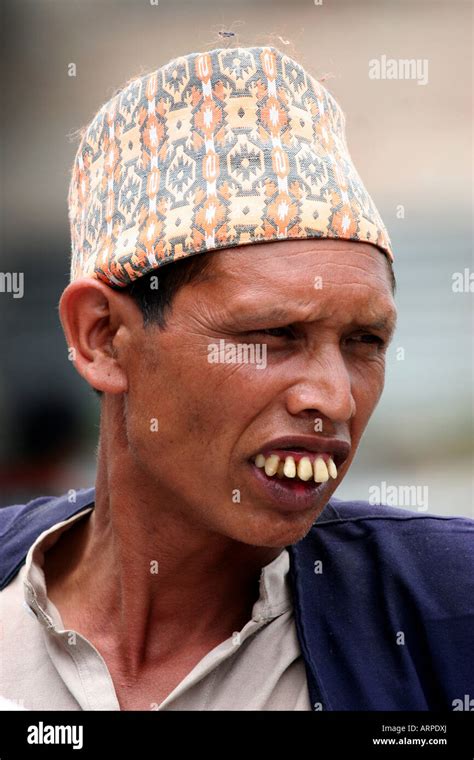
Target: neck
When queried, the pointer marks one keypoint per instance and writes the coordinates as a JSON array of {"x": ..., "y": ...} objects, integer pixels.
[{"x": 138, "y": 565}]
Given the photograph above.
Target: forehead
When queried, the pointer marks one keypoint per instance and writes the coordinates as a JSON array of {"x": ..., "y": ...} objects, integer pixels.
[
  {"x": 303, "y": 279},
  {"x": 296, "y": 264}
]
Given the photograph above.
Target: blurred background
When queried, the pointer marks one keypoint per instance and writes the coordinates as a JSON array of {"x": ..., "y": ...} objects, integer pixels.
[{"x": 411, "y": 143}]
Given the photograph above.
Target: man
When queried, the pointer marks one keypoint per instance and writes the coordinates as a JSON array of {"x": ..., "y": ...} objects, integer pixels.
[{"x": 210, "y": 568}]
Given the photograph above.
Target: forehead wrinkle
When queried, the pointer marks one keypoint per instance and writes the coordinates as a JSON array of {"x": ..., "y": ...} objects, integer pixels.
[
  {"x": 231, "y": 265},
  {"x": 303, "y": 245},
  {"x": 249, "y": 289},
  {"x": 282, "y": 248},
  {"x": 298, "y": 288},
  {"x": 372, "y": 313},
  {"x": 378, "y": 273}
]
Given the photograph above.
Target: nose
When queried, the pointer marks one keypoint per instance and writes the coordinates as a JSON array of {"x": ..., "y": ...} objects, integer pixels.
[{"x": 323, "y": 388}]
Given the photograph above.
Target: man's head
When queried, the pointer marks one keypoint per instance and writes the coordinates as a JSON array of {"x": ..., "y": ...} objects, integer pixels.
[
  {"x": 271, "y": 340},
  {"x": 193, "y": 427}
]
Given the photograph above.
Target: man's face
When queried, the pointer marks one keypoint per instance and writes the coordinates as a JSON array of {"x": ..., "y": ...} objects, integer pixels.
[{"x": 324, "y": 310}]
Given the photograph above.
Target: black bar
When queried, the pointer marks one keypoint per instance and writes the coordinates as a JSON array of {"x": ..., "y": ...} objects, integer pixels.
[{"x": 311, "y": 735}]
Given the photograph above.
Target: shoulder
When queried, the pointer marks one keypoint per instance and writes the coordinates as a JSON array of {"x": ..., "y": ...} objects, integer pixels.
[
  {"x": 415, "y": 550},
  {"x": 21, "y": 524},
  {"x": 363, "y": 518},
  {"x": 404, "y": 529},
  {"x": 346, "y": 512},
  {"x": 391, "y": 592}
]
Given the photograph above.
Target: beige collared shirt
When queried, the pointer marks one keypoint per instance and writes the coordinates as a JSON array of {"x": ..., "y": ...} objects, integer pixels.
[{"x": 45, "y": 667}]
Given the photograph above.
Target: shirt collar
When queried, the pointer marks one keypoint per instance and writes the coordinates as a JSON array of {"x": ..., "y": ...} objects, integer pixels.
[
  {"x": 274, "y": 589},
  {"x": 34, "y": 583}
]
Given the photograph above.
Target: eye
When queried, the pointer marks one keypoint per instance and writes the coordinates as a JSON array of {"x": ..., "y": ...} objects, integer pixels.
[
  {"x": 368, "y": 339},
  {"x": 276, "y": 332}
]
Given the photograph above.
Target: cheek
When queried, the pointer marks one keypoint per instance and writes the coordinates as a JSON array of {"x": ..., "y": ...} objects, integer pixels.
[
  {"x": 367, "y": 382},
  {"x": 219, "y": 401},
  {"x": 195, "y": 405}
]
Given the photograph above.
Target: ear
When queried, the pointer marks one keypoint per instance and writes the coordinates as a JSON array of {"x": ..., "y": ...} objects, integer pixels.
[{"x": 95, "y": 319}]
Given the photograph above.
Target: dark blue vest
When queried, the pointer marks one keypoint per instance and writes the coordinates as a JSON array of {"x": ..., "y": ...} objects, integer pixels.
[{"x": 383, "y": 600}]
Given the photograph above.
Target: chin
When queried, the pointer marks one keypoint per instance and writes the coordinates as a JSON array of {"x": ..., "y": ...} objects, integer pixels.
[{"x": 278, "y": 530}]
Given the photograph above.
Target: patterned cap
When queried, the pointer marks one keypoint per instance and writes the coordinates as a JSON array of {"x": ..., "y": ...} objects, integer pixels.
[{"x": 216, "y": 149}]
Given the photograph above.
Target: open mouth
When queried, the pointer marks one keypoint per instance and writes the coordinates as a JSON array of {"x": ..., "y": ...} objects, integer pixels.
[{"x": 291, "y": 471}]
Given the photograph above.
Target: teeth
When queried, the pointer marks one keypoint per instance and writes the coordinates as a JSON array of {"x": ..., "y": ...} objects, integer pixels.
[
  {"x": 304, "y": 469},
  {"x": 321, "y": 474},
  {"x": 289, "y": 468},
  {"x": 332, "y": 469},
  {"x": 271, "y": 465}
]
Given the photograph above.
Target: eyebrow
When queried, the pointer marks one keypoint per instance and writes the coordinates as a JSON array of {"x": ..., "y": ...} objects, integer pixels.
[
  {"x": 278, "y": 314},
  {"x": 381, "y": 324},
  {"x": 282, "y": 317}
]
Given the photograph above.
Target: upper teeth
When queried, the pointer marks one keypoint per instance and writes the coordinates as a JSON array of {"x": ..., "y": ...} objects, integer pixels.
[
  {"x": 305, "y": 469},
  {"x": 271, "y": 464}
]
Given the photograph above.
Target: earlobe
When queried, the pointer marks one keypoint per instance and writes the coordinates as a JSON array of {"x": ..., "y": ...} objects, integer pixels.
[{"x": 90, "y": 317}]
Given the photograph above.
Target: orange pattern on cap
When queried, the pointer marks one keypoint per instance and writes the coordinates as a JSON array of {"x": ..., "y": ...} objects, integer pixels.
[{"x": 217, "y": 149}]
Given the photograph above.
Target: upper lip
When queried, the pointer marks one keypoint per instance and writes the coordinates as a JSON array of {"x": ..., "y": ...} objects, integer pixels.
[{"x": 338, "y": 448}]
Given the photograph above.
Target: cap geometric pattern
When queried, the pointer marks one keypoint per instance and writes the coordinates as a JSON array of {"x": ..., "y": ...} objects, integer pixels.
[{"x": 216, "y": 149}]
